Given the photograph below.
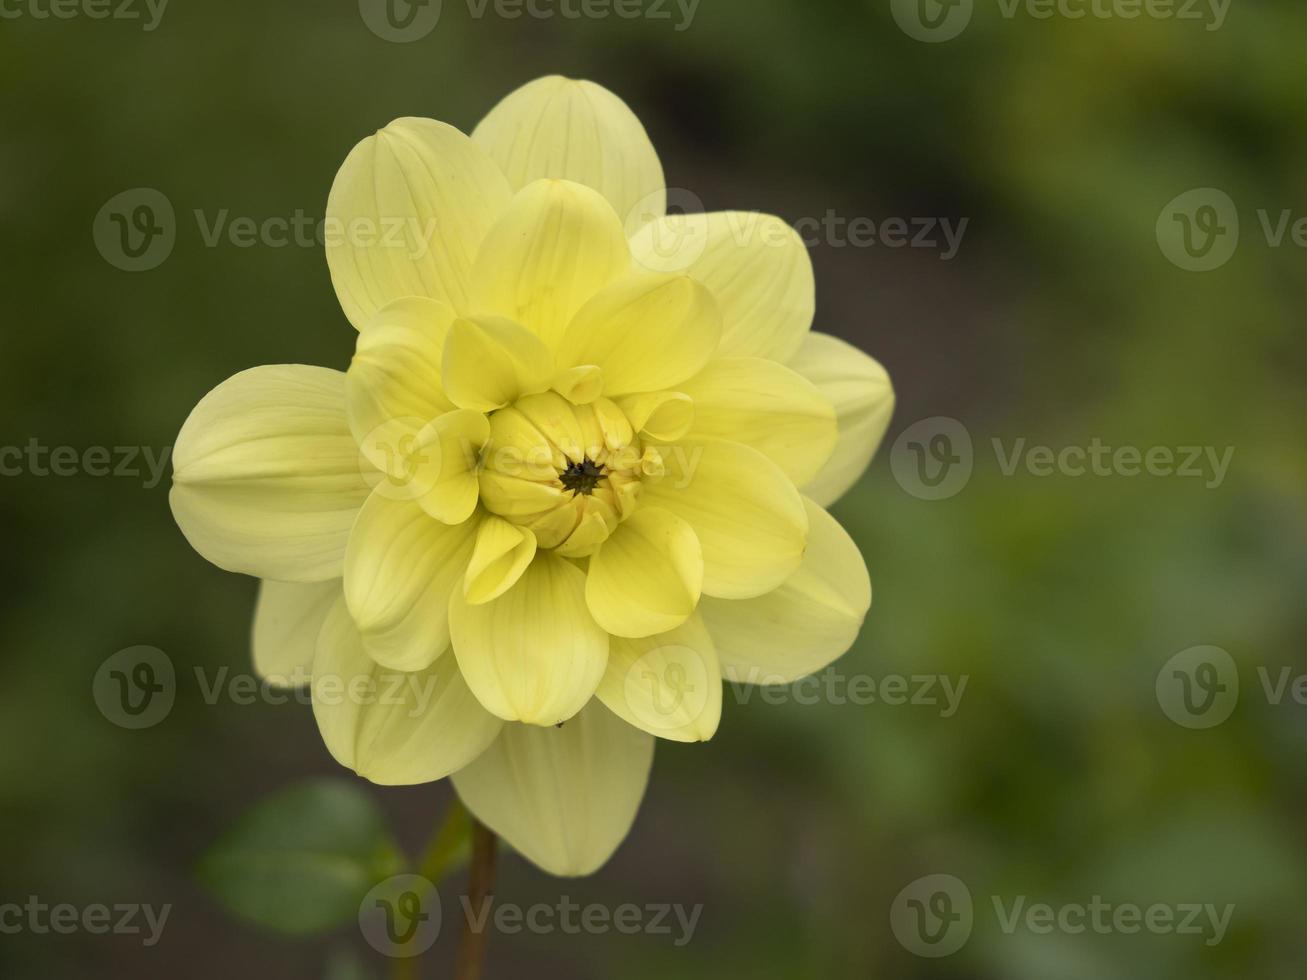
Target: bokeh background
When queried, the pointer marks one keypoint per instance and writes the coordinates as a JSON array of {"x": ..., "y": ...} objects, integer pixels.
[{"x": 1059, "y": 599}]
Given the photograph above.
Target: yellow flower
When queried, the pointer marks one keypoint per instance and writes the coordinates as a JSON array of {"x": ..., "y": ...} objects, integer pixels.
[{"x": 573, "y": 477}]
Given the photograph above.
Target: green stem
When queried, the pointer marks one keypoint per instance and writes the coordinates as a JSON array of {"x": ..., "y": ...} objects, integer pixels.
[{"x": 480, "y": 881}]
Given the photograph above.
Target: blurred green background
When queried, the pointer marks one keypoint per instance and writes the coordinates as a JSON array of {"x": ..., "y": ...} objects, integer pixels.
[{"x": 1058, "y": 598}]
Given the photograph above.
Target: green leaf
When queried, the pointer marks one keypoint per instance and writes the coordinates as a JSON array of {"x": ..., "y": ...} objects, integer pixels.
[{"x": 301, "y": 861}]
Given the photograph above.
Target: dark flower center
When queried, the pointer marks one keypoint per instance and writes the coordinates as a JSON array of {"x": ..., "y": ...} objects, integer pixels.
[{"x": 582, "y": 477}]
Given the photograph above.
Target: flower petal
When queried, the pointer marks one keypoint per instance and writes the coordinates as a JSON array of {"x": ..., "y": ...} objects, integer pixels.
[
  {"x": 535, "y": 654},
  {"x": 577, "y": 130},
  {"x": 665, "y": 415},
  {"x": 394, "y": 728},
  {"x": 287, "y": 618},
  {"x": 557, "y": 245},
  {"x": 863, "y": 397},
  {"x": 645, "y": 332},
  {"x": 647, "y": 577},
  {"x": 406, "y": 215},
  {"x": 266, "y": 476},
  {"x": 669, "y": 685},
  {"x": 804, "y": 625},
  {"x": 503, "y": 552},
  {"x": 400, "y": 570},
  {"x": 393, "y": 382},
  {"x": 563, "y": 797},
  {"x": 449, "y": 447},
  {"x": 767, "y": 406},
  {"x": 755, "y": 264},
  {"x": 743, "y": 508},
  {"x": 490, "y": 361}
]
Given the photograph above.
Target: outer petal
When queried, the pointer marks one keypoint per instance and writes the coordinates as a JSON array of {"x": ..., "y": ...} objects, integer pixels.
[
  {"x": 564, "y": 797},
  {"x": 393, "y": 728},
  {"x": 534, "y": 654},
  {"x": 863, "y": 397},
  {"x": 287, "y": 618},
  {"x": 406, "y": 215},
  {"x": 669, "y": 685},
  {"x": 577, "y": 130},
  {"x": 743, "y": 508},
  {"x": 557, "y": 245},
  {"x": 647, "y": 577},
  {"x": 755, "y": 264},
  {"x": 401, "y": 567},
  {"x": 805, "y": 624},
  {"x": 266, "y": 476},
  {"x": 767, "y": 406},
  {"x": 645, "y": 332},
  {"x": 393, "y": 382}
]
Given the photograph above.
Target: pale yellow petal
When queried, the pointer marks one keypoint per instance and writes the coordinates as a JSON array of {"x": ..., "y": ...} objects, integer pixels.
[
  {"x": 665, "y": 415},
  {"x": 391, "y": 727},
  {"x": 557, "y": 245},
  {"x": 406, "y": 215},
  {"x": 287, "y": 618},
  {"x": 863, "y": 397},
  {"x": 490, "y": 361},
  {"x": 393, "y": 382},
  {"x": 645, "y": 332},
  {"x": 266, "y": 476},
  {"x": 743, "y": 508},
  {"x": 563, "y": 797},
  {"x": 755, "y": 264},
  {"x": 400, "y": 570},
  {"x": 449, "y": 447},
  {"x": 580, "y": 131},
  {"x": 647, "y": 577},
  {"x": 535, "y": 654},
  {"x": 503, "y": 552},
  {"x": 669, "y": 685},
  {"x": 806, "y": 623},
  {"x": 767, "y": 406}
]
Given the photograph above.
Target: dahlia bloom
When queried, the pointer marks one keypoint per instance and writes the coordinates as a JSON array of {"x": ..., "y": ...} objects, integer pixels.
[{"x": 573, "y": 477}]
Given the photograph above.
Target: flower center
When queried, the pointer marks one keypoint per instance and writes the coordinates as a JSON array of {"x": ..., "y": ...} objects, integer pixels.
[
  {"x": 568, "y": 473},
  {"x": 582, "y": 477}
]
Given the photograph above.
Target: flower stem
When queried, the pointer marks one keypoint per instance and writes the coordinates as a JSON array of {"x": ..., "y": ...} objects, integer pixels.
[{"x": 480, "y": 882}]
